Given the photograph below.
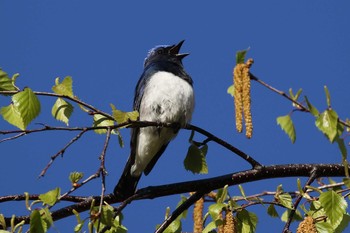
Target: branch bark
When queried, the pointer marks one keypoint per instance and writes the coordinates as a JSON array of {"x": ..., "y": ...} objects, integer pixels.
[{"x": 205, "y": 185}]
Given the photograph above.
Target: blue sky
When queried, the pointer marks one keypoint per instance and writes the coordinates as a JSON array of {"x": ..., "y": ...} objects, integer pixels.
[{"x": 103, "y": 46}]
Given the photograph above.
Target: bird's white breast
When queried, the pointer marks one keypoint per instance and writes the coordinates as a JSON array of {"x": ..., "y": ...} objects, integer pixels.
[{"x": 167, "y": 98}]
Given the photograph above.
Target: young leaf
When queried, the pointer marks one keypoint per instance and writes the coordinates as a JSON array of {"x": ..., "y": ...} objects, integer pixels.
[
  {"x": 122, "y": 117},
  {"x": 51, "y": 197},
  {"x": 284, "y": 199},
  {"x": 247, "y": 221},
  {"x": 46, "y": 217},
  {"x": 221, "y": 195},
  {"x": 342, "y": 148},
  {"x": 27, "y": 104},
  {"x": 240, "y": 56},
  {"x": 271, "y": 210},
  {"x": 231, "y": 90},
  {"x": 6, "y": 84},
  {"x": 195, "y": 160},
  {"x": 328, "y": 96},
  {"x": 24, "y": 108},
  {"x": 75, "y": 177},
  {"x": 324, "y": 227},
  {"x": 287, "y": 126},
  {"x": 242, "y": 190},
  {"x": 327, "y": 122},
  {"x": 12, "y": 115},
  {"x": 62, "y": 110},
  {"x": 65, "y": 87},
  {"x": 174, "y": 227},
  {"x": 100, "y": 120},
  {"x": 210, "y": 228},
  {"x": 296, "y": 217},
  {"x": 215, "y": 210},
  {"x": 2, "y": 220},
  {"x": 334, "y": 206},
  {"x": 312, "y": 109},
  {"x": 36, "y": 223},
  {"x": 343, "y": 224}
]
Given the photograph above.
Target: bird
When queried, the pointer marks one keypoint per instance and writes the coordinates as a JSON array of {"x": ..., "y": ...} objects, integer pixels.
[{"x": 163, "y": 94}]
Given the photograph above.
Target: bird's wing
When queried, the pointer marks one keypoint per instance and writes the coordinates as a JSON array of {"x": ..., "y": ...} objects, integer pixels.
[{"x": 154, "y": 160}]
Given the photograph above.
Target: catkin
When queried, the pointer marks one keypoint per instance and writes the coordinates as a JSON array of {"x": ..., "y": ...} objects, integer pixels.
[
  {"x": 230, "y": 225},
  {"x": 242, "y": 97},
  {"x": 221, "y": 227},
  {"x": 198, "y": 216},
  {"x": 238, "y": 85},
  {"x": 247, "y": 100},
  {"x": 307, "y": 226}
]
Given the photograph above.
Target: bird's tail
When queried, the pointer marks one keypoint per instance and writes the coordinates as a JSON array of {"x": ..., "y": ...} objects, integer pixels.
[{"x": 127, "y": 183}]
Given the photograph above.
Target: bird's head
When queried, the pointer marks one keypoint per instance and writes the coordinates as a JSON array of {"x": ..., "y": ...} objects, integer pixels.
[{"x": 168, "y": 53}]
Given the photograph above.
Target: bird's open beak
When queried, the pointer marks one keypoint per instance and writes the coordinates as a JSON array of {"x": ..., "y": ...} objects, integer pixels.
[{"x": 175, "y": 49}]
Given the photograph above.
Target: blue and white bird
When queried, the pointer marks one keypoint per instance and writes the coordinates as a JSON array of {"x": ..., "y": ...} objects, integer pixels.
[{"x": 164, "y": 93}]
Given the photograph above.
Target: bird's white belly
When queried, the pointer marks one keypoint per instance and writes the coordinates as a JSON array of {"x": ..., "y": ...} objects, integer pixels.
[{"x": 169, "y": 99}]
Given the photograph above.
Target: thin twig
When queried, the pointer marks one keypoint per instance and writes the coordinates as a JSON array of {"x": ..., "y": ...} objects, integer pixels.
[
  {"x": 13, "y": 137},
  {"x": 74, "y": 99},
  {"x": 61, "y": 152},
  {"x": 313, "y": 176},
  {"x": 300, "y": 105},
  {"x": 211, "y": 137},
  {"x": 103, "y": 172},
  {"x": 184, "y": 206}
]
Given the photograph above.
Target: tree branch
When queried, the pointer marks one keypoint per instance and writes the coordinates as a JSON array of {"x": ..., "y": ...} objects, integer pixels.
[{"x": 207, "y": 185}]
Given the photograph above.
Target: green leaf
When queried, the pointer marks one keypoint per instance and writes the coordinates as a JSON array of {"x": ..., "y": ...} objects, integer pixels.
[
  {"x": 46, "y": 217},
  {"x": 342, "y": 148},
  {"x": 2, "y": 219},
  {"x": 100, "y": 120},
  {"x": 327, "y": 122},
  {"x": 37, "y": 225},
  {"x": 343, "y": 224},
  {"x": 51, "y": 197},
  {"x": 65, "y": 87},
  {"x": 222, "y": 195},
  {"x": 271, "y": 210},
  {"x": 24, "y": 108},
  {"x": 184, "y": 213},
  {"x": 296, "y": 217},
  {"x": 287, "y": 126},
  {"x": 334, "y": 206},
  {"x": 210, "y": 227},
  {"x": 195, "y": 160},
  {"x": 285, "y": 199},
  {"x": 312, "y": 109},
  {"x": 240, "y": 56},
  {"x": 324, "y": 227},
  {"x": 296, "y": 96},
  {"x": 174, "y": 227},
  {"x": 215, "y": 210},
  {"x": 7, "y": 84},
  {"x": 242, "y": 190},
  {"x": 62, "y": 110},
  {"x": 12, "y": 115},
  {"x": 122, "y": 117},
  {"x": 78, "y": 227},
  {"x": 106, "y": 216},
  {"x": 328, "y": 96},
  {"x": 231, "y": 90},
  {"x": 247, "y": 221},
  {"x": 75, "y": 177},
  {"x": 27, "y": 104},
  {"x": 347, "y": 182}
]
